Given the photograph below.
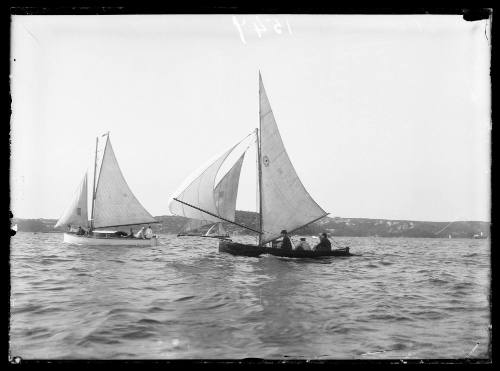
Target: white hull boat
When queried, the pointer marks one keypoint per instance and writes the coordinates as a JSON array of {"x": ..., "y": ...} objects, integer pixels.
[
  {"x": 108, "y": 241},
  {"x": 112, "y": 205}
]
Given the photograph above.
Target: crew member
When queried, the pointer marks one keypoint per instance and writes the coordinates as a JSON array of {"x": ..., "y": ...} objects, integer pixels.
[
  {"x": 303, "y": 245},
  {"x": 149, "y": 232},
  {"x": 286, "y": 244},
  {"x": 324, "y": 243}
]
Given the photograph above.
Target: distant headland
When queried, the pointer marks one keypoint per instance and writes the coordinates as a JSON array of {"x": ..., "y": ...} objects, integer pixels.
[{"x": 334, "y": 226}]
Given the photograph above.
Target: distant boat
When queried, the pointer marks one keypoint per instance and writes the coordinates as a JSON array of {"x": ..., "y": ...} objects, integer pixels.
[
  {"x": 112, "y": 205},
  {"x": 449, "y": 236},
  {"x": 216, "y": 230},
  {"x": 284, "y": 203},
  {"x": 479, "y": 236}
]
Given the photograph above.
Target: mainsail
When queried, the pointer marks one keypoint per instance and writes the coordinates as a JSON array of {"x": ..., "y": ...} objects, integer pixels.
[
  {"x": 115, "y": 204},
  {"x": 285, "y": 203},
  {"x": 76, "y": 213}
]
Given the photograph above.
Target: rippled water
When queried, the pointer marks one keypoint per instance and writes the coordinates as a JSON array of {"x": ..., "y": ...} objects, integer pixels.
[{"x": 402, "y": 298}]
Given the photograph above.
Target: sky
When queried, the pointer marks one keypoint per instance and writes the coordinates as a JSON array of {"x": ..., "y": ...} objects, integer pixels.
[{"x": 384, "y": 117}]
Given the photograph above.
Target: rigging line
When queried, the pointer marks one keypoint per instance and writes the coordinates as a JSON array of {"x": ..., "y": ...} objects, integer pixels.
[
  {"x": 217, "y": 216},
  {"x": 293, "y": 230},
  {"x": 208, "y": 166},
  {"x": 447, "y": 225},
  {"x": 126, "y": 225}
]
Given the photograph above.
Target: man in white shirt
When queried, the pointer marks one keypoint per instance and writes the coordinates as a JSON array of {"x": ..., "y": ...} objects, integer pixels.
[
  {"x": 303, "y": 245},
  {"x": 140, "y": 234},
  {"x": 149, "y": 232}
]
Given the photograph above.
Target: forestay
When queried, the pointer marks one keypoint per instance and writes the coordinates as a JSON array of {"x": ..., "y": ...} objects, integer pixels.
[
  {"x": 115, "y": 204},
  {"x": 76, "y": 214},
  {"x": 285, "y": 202}
]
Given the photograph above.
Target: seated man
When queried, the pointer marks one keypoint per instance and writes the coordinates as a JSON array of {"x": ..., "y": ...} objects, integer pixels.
[
  {"x": 149, "y": 232},
  {"x": 303, "y": 245},
  {"x": 80, "y": 231},
  {"x": 324, "y": 244},
  {"x": 286, "y": 244},
  {"x": 140, "y": 234}
]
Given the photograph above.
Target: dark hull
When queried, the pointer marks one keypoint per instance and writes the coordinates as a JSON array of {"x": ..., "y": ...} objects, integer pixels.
[{"x": 240, "y": 249}]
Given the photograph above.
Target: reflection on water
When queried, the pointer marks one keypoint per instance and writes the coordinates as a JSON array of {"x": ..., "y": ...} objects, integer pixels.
[{"x": 402, "y": 298}]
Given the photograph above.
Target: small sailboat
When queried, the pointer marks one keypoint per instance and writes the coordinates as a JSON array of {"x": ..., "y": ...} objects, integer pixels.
[
  {"x": 284, "y": 203},
  {"x": 216, "y": 230},
  {"x": 112, "y": 205},
  {"x": 479, "y": 236}
]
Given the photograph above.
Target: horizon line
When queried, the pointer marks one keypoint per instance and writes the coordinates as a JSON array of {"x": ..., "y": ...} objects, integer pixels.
[{"x": 331, "y": 217}]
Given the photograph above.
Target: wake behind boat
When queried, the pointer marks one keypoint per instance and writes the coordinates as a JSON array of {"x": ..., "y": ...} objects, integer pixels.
[
  {"x": 284, "y": 203},
  {"x": 112, "y": 205}
]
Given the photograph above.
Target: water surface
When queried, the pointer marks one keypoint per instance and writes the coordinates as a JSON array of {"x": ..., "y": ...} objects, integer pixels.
[{"x": 402, "y": 298}]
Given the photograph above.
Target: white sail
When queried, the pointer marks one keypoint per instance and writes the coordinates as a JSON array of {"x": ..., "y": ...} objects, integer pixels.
[
  {"x": 224, "y": 197},
  {"x": 200, "y": 194},
  {"x": 76, "y": 213},
  {"x": 285, "y": 202},
  {"x": 226, "y": 191},
  {"x": 115, "y": 204}
]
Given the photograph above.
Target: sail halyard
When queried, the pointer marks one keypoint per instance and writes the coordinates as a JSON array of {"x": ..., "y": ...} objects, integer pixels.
[{"x": 285, "y": 203}]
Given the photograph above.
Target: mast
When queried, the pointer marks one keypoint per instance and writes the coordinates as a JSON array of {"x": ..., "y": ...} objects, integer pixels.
[
  {"x": 258, "y": 132},
  {"x": 93, "y": 186}
]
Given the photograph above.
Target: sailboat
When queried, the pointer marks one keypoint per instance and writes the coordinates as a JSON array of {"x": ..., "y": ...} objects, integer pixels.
[
  {"x": 284, "y": 203},
  {"x": 479, "y": 235},
  {"x": 216, "y": 230},
  {"x": 112, "y": 204}
]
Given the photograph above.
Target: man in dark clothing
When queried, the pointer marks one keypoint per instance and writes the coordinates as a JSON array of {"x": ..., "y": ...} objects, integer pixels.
[
  {"x": 324, "y": 243},
  {"x": 80, "y": 231},
  {"x": 286, "y": 244}
]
